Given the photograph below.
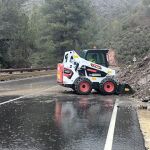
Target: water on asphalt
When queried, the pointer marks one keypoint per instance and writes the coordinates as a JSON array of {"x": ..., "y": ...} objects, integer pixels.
[
  {"x": 62, "y": 120},
  {"x": 127, "y": 134},
  {"x": 51, "y": 123},
  {"x": 27, "y": 83},
  {"x": 18, "y": 88}
]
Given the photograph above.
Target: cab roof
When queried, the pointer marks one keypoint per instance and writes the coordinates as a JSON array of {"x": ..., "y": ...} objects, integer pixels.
[
  {"x": 95, "y": 50},
  {"x": 83, "y": 52}
]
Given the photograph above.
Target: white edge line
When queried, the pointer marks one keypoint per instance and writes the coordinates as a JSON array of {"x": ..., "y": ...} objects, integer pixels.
[
  {"x": 12, "y": 100},
  {"x": 110, "y": 135},
  {"x": 3, "y": 82}
]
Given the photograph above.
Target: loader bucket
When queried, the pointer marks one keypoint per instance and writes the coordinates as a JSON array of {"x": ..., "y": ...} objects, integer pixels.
[{"x": 124, "y": 89}]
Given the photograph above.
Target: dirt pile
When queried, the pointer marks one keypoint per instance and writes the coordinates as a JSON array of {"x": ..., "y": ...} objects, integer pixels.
[{"x": 138, "y": 77}]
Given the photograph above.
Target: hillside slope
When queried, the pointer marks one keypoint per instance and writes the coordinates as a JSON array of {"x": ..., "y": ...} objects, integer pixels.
[
  {"x": 138, "y": 76},
  {"x": 125, "y": 26},
  {"x": 111, "y": 9}
]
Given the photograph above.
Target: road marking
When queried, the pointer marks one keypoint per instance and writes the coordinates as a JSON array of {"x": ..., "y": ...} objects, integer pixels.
[
  {"x": 15, "y": 99},
  {"x": 3, "y": 82},
  {"x": 110, "y": 135}
]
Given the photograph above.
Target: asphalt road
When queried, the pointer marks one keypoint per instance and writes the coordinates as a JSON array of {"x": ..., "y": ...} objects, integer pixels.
[{"x": 36, "y": 114}]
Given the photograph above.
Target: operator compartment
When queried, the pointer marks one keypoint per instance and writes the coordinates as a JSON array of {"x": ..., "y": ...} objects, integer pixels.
[{"x": 97, "y": 57}]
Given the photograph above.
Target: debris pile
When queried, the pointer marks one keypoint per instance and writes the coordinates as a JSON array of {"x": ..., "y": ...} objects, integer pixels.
[{"x": 138, "y": 77}]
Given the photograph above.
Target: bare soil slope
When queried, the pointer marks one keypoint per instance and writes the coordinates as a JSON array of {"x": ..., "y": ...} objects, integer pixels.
[{"x": 138, "y": 76}]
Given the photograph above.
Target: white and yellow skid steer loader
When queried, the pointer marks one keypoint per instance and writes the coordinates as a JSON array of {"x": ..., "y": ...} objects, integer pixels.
[{"x": 88, "y": 69}]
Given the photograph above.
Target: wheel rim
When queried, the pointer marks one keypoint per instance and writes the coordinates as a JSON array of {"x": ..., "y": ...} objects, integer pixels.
[
  {"x": 84, "y": 87},
  {"x": 109, "y": 87}
]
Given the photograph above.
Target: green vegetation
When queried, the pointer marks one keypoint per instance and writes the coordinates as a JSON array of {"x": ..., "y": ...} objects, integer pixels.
[
  {"x": 65, "y": 22},
  {"x": 38, "y": 34},
  {"x": 15, "y": 42},
  {"x": 126, "y": 29}
]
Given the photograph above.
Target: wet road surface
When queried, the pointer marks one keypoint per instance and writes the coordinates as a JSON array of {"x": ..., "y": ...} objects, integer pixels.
[
  {"x": 65, "y": 121},
  {"x": 127, "y": 134},
  {"x": 46, "y": 81},
  {"x": 14, "y": 89}
]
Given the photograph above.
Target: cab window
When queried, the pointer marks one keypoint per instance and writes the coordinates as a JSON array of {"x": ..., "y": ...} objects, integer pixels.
[{"x": 98, "y": 58}]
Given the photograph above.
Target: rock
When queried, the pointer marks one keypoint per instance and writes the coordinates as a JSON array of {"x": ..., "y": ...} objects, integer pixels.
[{"x": 144, "y": 100}]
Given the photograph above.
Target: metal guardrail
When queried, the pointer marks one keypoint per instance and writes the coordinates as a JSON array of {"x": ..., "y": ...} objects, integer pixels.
[{"x": 21, "y": 70}]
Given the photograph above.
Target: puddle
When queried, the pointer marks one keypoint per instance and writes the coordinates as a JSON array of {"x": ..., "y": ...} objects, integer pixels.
[{"x": 68, "y": 123}]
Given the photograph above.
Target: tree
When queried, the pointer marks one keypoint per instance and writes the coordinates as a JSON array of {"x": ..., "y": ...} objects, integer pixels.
[
  {"x": 14, "y": 35},
  {"x": 146, "y": 2},
  {"x": 65, "y": 21}
]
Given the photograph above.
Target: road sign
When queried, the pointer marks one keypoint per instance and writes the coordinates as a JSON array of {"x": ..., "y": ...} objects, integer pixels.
[{"x": 134, "y": 59}]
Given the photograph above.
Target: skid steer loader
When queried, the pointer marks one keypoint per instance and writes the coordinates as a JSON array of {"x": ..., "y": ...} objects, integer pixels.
[{"x": 88, "y": 69}]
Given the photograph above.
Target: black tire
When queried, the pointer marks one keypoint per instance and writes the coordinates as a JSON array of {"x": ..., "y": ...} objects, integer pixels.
[
  {"x": 83, "y": 86},
  {"x": 98, "y": 91},
  {"x": 108, "y": 86},
  {"x": 73, "y": 87}
]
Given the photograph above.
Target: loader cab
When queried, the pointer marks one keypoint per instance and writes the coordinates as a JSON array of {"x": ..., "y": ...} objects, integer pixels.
[{"x": 98, "y": 56}]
